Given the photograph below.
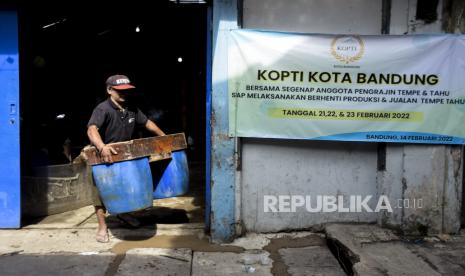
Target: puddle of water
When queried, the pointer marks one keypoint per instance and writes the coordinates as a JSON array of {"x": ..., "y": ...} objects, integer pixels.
[
  {"x": 279, "y": 267},
  {"x": 164, "y": 241},
  {"x": 203, "y": 245}
]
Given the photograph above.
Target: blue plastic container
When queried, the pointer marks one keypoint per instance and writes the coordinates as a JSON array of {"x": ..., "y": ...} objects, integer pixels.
[
  {"x": 172, "y": 180},
  {"x": 124, "y": 186}
]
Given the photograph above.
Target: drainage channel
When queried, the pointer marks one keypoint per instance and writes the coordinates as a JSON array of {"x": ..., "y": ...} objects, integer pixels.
[{"x": 343, "y": 255}]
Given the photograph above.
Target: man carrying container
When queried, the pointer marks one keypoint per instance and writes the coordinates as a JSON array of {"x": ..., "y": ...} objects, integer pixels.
[{"x": 115, "y": 120}]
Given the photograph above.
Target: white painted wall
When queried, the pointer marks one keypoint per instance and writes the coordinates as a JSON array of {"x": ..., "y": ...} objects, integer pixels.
[
  {"x": 314, "y": 16},
  {"x": 432, "y": 174},
  {"x": 298, "y": 167}
]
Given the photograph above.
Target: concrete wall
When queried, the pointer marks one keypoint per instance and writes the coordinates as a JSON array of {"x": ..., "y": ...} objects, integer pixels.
[
  {"x": 289, "y": 167},
  {"x": 432, "y": 174},
  {"x": 281, "y": 167},
  {"x": 56, "y": 189}
]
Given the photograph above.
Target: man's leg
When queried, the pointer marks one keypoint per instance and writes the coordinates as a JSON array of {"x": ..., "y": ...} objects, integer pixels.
[
  {"x": 100, "y": 210},
  {"x": 102, "y": 230}
]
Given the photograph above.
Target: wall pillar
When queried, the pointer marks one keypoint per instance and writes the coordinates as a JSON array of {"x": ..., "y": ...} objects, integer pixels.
[{"x": 222, "y": 149}]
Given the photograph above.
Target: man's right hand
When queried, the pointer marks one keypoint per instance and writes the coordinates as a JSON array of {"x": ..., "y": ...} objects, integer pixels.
[{"x": 106, "y": 152}]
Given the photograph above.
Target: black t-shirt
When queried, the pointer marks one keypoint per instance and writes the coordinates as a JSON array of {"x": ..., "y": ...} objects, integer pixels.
[{"x": 115, "y": 125}]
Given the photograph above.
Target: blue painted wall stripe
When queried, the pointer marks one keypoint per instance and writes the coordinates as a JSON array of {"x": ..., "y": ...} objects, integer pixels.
[
  {"x": 208, "y": 126},
  {"x": 222, "y": 174},
  {"x": 10, "y": 201}
]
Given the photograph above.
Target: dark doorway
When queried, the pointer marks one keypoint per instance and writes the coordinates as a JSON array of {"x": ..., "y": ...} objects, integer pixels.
[{"x": 67, "y": 51}]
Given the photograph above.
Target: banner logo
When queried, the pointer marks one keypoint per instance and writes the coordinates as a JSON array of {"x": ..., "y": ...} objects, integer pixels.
[{"x": 347, "y": 49}]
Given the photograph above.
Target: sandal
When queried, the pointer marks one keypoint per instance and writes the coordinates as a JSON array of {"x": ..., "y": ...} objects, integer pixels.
[
  {"x": 129, "y": 220},
  {"x": 105, "y": 238}
]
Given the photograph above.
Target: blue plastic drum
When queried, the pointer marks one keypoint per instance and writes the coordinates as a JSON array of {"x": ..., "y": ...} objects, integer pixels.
[
  {"x": 172, "y": 180},
  {"x": 124, "y": 186}
]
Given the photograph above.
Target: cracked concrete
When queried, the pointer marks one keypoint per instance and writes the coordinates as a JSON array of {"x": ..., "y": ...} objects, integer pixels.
[
  {"x": 183, "y": 249},
  {"x": 378, "y": 251}
]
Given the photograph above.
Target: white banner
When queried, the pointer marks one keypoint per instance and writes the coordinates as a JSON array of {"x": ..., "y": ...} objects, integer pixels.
[{"x": 407, "y": 89}]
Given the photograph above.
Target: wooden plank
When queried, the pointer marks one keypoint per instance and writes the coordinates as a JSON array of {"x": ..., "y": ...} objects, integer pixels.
[{"x": 158, "y": 148}]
